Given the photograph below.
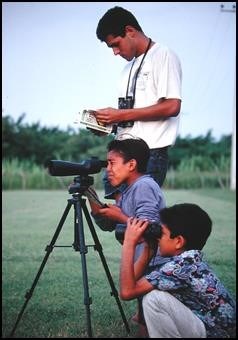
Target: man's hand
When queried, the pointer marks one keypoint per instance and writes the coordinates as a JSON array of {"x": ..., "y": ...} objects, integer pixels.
[{"x": 108, "y": 115}]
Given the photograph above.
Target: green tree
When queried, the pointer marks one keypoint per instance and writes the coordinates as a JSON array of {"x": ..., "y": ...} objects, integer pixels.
[{"x": 38, "y": 144}]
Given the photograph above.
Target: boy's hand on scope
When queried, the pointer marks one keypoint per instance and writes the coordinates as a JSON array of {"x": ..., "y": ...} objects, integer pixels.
[{"x": 135, "y": 230}]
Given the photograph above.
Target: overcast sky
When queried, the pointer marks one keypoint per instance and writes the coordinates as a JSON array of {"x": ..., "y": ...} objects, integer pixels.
[{"x": 54, "y": 66}]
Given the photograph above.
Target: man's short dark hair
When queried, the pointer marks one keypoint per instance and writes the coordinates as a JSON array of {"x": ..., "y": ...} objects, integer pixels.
[
  {"x": 132, "y": 149},
  {"x": 189, "y": 221},
  {"x": 114, "y": 22}
]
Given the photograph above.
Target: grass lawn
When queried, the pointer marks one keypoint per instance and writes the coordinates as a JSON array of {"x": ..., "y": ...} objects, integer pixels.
[{"x": 56, "y": 308}]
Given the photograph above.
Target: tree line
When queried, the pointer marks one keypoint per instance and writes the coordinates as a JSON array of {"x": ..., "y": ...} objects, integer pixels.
[{"x": 32, "y": 142}]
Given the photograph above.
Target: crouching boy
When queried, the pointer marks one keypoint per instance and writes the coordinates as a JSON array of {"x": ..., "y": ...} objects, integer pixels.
[{"x": 182, "y": 298}]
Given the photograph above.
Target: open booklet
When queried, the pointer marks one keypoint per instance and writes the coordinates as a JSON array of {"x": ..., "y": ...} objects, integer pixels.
[{"x": 88, "y": 119}]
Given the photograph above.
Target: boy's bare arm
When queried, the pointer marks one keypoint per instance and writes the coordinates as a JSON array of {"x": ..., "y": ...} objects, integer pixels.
[{"x": 130, "y": 284}]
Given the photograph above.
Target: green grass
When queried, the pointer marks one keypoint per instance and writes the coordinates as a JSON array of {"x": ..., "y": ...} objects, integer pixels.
[{"x": 56, "y": 308}]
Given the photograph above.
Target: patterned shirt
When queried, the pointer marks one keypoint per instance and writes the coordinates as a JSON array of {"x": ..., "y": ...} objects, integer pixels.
[{"x": 189, "y": 278}]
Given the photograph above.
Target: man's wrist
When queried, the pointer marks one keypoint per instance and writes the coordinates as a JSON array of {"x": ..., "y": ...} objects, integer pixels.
[{"x": 124, "y": 115}]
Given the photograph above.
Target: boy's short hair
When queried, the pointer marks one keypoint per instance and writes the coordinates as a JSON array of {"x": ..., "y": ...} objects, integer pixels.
[
  {"x": 131, "y": 148},
  {"x": 114, "y": 22},
  {"x": 189, "y": 221}
]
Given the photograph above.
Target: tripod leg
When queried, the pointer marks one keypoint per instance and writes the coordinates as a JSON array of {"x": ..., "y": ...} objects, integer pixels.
[
  {"x": 98, "y": 247},
  {"x": 48, "y": 249},
  {"x": 79, "y": 245}
]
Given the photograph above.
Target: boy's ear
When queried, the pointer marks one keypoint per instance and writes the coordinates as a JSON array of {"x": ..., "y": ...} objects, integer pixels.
[
  {"x": 180, "y": 242},
  {"x": 132, "y": 164}
]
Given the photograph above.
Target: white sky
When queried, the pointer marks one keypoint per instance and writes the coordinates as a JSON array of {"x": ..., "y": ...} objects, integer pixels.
[{"x": 54, "y": 66}]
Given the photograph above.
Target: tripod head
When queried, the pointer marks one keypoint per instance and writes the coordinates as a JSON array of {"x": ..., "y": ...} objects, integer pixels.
[{"x": 80, "y": 184}]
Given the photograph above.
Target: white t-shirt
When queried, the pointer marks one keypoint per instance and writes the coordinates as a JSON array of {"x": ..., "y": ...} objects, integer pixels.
[{"x": 160, "y": 77}]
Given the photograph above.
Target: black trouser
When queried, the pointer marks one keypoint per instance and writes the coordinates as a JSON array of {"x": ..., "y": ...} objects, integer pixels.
[{"x": 158, "y": 164}]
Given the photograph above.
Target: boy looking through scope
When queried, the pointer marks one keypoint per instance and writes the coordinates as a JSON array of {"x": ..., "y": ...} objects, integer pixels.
[
  {"x": 127, "y": 161},
  {"x": 182, "y": 298},
  {"x": 126, "y": 164}
]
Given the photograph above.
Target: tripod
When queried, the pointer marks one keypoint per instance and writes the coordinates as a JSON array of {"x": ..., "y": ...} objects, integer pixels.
[{"x": 80, "y": 185}]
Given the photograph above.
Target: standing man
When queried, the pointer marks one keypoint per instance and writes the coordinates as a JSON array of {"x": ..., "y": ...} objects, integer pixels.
[{"x": 150, "y": 95}]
